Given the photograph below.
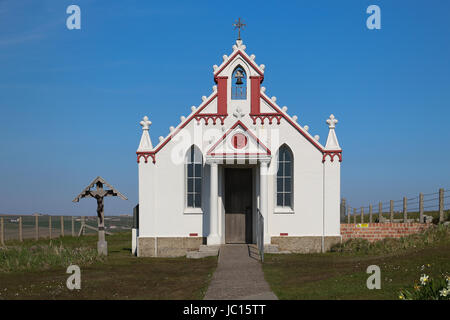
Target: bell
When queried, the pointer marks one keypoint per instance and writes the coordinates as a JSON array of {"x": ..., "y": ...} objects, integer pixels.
[{"x": 239, "y": 77}]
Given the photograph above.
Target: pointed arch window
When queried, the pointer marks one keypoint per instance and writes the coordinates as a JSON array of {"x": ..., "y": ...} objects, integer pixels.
[
  {"x": 239, "y": 84},
  {"x": 285, "y": 177},
  {"x": 194, "y": 174}
]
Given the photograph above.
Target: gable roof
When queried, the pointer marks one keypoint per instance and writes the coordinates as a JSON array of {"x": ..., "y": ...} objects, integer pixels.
[
  {"x": 259, "y": 144},
  {"x": 230, "y": 59}
]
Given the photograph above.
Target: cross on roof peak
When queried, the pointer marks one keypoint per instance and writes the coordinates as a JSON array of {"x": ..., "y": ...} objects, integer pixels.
[{"x": 238, "y": 25}]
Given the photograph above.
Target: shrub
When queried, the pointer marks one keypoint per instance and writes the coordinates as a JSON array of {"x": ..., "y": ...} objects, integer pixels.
[
  {"x": 41, "y": 257},
  {"x": 428, "y": 289},
  {"x": 433, "y": 235}
]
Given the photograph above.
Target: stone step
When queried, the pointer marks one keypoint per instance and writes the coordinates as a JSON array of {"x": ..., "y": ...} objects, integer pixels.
[
  {"x": 199, "y": 255},
  {"x": 206, "y": 248}
]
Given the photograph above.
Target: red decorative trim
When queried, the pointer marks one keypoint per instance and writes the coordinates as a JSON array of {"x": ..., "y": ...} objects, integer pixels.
[
  {"x": 212, "y": 116},
  {"x": 332, "y": 153},
  {"x": 238, "y": 123},
  {"x": 246, "y": 59},
  {"x": 264, "y": 116},
  {"x": 222, "y": 94},
  {"x": 283, "y": 234},
  {"x": 178, "y": 129},
  {"x": 146, "y": 155},
  {"x": 193, "y": 234},
  {"x": 255, "y": 96},
  {"x": 296, "y": 126}
]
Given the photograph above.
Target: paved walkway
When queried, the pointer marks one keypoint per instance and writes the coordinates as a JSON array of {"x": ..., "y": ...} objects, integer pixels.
[{"x": 239, "y": 276}]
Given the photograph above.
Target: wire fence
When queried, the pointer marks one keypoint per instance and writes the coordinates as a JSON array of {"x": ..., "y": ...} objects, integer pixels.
[
  {"x": 423, "y": 208},
  {"x": 37, "y": 226}
]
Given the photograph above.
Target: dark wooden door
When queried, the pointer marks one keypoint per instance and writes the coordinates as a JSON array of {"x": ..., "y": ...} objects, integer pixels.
[{"x": 238, "y": 205}]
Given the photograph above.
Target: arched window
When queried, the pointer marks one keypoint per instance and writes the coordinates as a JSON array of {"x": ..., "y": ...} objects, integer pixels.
[
  {"x": 285, "y": 177},
  {"x": 239, "y": 84},
  {"x": 194, "y": 169}
]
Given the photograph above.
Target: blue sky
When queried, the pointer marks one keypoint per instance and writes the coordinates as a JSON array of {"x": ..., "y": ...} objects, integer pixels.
[{"x": 71, "y": 101}]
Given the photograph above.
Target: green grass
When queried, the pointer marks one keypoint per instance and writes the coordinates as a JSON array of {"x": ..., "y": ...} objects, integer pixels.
[
  {"x": 342, "y": 275},
  {"x": 118, "y": 276}
]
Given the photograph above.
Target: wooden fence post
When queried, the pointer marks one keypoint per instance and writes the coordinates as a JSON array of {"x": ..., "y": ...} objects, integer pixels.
[
  {"x": 342, "y": 213},
  {"x": 348, "y": 214},
  {"x": 2, "y": 232},
  {"x": 380, "y": 211},
  {"x": 50, "y": 227},
  {"x": 441, "y": 205},
  {"x": 62, "y": 226},
  {"x": 36, "y": 224},
  {"x": 391, "y": 210},
  {"x": 370, "y": 213},
  {"x": 73, "y": 226},
  {"x": 354, "y": 215},
  {"x": 421, "y": 208},
  {"x": 405, "y": 209},
  {"x": 20, "y": 230},
  {"x": 362, "y": 215}
]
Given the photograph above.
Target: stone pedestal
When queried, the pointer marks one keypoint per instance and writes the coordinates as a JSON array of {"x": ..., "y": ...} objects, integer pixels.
[{"x": 102, "y": 248}]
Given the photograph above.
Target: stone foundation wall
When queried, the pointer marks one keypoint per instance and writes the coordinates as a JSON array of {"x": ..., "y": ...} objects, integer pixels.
[
  {"x": 378, "y": 231},
  {"x": 307, "y": 244},
  {"x": 168, "y": 246}
]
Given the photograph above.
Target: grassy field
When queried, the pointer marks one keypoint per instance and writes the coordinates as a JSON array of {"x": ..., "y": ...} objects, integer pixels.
[
  {"x": 342, "y": 274},
  {"x": 42, "y": 273}
]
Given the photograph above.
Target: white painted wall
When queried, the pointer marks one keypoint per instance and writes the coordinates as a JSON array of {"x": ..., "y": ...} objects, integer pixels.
[{"x": 162, "y": 185}]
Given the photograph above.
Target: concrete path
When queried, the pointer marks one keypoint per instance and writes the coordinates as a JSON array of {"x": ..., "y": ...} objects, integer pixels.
[{"x": 239, "y": 276}]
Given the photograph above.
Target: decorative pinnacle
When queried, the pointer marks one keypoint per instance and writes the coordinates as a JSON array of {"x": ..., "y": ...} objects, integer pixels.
[
  {"x": 332, "y": 122},
  {"x": 145, "y": 123}
]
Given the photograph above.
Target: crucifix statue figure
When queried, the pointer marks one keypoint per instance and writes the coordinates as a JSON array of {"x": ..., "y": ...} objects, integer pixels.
[
  {"x": 99, "y": 193},
  {"x": 238, "y": 25}
]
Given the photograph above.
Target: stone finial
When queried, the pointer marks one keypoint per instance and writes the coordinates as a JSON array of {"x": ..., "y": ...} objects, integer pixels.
[
  {"x": 332, "y": 122},
  {"x": 262, "y": 66},
  {"x": 161, "y": 138},
  {"x": 274, "y": 99},
  {"x": 263, "y": 89},
  {"x": 204, "y": 98},
  {"x": 214, "y": 88},
  {"x": 171, "y": 129},
  {"x": 332, "y": 140},
  {"x": 252, "y": 57},
  {"x": 224, "y": 57},
  {"x": 239, "y": 45},
  {"x": 193, "y": 108},
  {"x": 294, "y": 118},
  {"x": 317, "y": 137},
  {"x": 215, "y": 67},
  {"x": 238, "y": 113},
  {"x": 145, "y": 123},
  {"x": 146, "y": 143},
  {"x": 284, "y": 109},
  {"x": 306, "y": 128},
  {"x": 182, "y": 118}
]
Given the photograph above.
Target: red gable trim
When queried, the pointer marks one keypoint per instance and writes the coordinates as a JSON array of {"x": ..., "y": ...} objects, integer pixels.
[
  {"x": 153, "y": 153},
  {"x": 245, "y": 58},
  {"x": 246, "y": 130},
  {"x": 296, "y": 126}
]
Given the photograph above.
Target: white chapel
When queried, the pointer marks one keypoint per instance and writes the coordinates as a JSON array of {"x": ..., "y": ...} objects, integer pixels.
[{"x": 236, "y": 168}]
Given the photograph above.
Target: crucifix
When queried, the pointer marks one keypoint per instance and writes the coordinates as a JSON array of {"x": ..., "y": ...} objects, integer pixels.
[
  {"x": 239, "y": 25},
  {"x": 99, "y": 193}
]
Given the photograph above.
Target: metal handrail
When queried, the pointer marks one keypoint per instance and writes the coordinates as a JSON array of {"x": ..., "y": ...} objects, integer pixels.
[{"x": 260, "y": 235}]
